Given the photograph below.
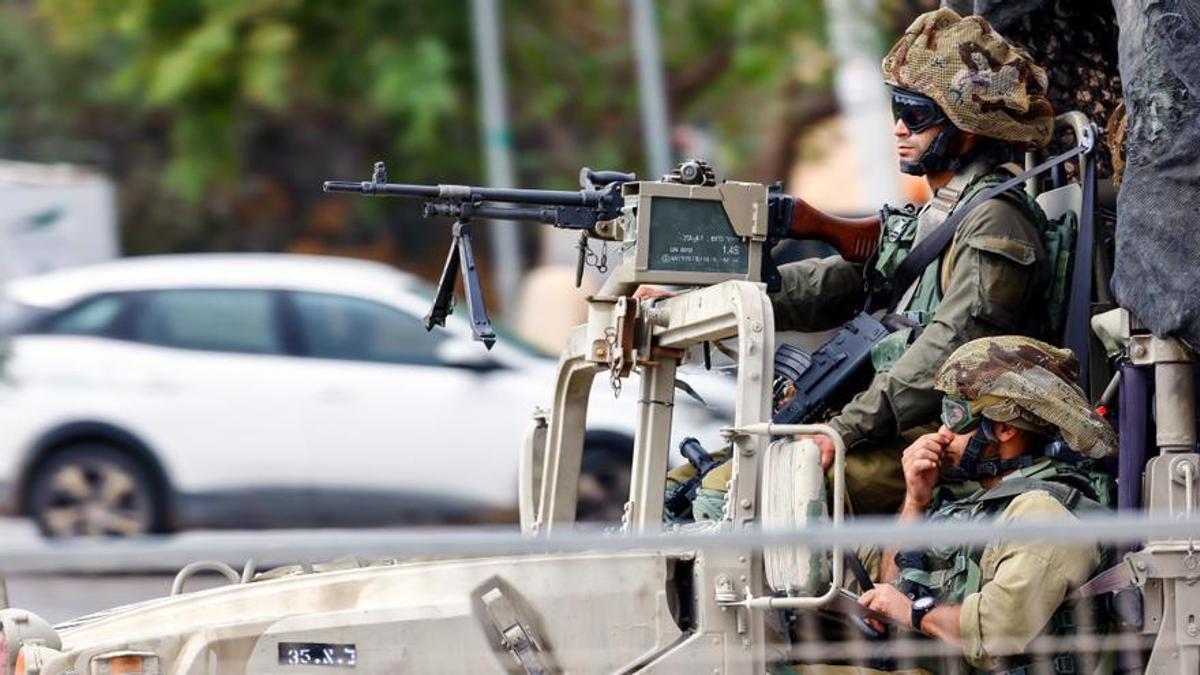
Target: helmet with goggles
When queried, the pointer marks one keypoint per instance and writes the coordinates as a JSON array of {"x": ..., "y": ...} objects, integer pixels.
[
  {"x": 1023, "y": 382},
  {"x": 974, "y": 79}
]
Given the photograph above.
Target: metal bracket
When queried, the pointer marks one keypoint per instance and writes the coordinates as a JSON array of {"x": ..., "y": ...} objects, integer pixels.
[
  {"x": 1146, "y": 350},
  {"x": 516, "y": 636},
  {"x": 625, "y": 316}
]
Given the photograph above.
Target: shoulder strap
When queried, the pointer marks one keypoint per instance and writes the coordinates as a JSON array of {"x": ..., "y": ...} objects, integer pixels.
[
  {"x": 932, "y": 246},
  {"x": 1071, "y": 488}
]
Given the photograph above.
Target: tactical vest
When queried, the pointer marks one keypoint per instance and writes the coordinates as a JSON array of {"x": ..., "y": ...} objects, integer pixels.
[
  {"x": 902, "y": 227},
  {"x": 951, "y": 573}
]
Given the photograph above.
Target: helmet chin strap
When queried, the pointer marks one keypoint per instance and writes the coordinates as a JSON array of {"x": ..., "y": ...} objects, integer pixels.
[
  {"x": 974, "y": 468},
  {"x": 936, "y": 157}
]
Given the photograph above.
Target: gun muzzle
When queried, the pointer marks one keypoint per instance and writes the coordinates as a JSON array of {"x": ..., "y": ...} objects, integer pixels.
[{"x": 697, "y": 456}]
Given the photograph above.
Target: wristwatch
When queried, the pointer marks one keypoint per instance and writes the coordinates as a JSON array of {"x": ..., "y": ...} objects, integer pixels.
[{"x": 921, "y": 607}]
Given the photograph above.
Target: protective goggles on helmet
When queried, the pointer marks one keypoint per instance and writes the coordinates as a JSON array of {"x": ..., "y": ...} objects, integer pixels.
[
  {"x": 957, "y": 415},
  {"x": 916, "y": 111}
]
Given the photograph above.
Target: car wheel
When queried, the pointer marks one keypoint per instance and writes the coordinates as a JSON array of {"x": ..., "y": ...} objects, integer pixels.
[
  {"x": 604, "y": 481},
  {"x": 96, "y": 491}
]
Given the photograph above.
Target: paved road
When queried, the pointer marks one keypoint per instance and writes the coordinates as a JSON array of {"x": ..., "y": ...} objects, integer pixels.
[{"x": 57, "y": 597}]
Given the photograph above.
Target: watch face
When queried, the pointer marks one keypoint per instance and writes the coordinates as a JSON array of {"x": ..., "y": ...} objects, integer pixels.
[{"x": 923, "y": 603}]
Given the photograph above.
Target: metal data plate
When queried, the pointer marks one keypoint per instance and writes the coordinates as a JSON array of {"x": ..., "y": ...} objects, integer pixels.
[{"x": 694, "y": 235}]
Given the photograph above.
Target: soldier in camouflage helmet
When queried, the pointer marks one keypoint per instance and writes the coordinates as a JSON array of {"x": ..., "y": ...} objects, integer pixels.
[
  {"x": 965, "y": 103},
  {"x": 1009, "y": 403}
]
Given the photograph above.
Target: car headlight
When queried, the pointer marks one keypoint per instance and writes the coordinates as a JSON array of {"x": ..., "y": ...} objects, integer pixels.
[{"x": 125, "y": 662}]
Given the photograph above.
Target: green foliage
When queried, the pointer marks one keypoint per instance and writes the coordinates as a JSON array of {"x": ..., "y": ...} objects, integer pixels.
[{"x": 217, "y": 107}]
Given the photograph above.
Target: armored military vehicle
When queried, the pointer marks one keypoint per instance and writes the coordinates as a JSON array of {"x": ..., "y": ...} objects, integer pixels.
[{"x": 668, "y": 605}]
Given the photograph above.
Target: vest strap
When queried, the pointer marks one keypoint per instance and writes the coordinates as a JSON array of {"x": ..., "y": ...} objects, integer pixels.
[{"x": 931, "y": 246}]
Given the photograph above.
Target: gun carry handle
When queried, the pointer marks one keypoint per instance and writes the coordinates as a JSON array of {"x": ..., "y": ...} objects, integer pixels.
[
  {"x": 592, "y": 179},
  {"x": 855, "y": 238}
]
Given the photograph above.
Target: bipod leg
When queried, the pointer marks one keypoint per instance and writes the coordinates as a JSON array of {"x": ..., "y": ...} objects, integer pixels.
[
  {"x": 443, "y": 302},
  {"x": 481, "y": 326}
]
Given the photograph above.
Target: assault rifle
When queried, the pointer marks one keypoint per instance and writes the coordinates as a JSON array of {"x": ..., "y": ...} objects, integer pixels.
[{"x": 684, "y": 229}]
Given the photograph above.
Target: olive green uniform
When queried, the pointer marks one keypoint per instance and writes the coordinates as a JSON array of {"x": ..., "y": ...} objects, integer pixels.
[
  {"x": 1024, "y": 583},
  {"x": 995, "y": 268}
]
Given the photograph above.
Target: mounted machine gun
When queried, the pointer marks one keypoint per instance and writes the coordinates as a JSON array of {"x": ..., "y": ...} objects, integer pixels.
[{"x": 685, "y": 228}]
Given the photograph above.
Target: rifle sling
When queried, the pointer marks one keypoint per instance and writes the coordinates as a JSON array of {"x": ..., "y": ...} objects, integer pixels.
[{"x": 929, "y": 248}]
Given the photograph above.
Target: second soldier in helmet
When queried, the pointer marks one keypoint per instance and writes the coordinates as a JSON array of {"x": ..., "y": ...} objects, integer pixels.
[{"x": 1011, "y": 408}]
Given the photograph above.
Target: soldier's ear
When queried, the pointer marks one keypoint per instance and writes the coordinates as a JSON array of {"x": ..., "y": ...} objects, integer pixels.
[
  {"x": 1005, "y": 432},
  {"x": 966, "y": 141}
]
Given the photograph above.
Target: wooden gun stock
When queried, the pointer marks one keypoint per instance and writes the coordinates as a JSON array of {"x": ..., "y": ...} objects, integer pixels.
[{"x": 855, "y": 238}]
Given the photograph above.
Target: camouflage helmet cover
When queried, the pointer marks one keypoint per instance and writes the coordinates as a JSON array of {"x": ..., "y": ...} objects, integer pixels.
[
  {"x": 1027, "y": 383},
  {"x": 984, "y": 84}
]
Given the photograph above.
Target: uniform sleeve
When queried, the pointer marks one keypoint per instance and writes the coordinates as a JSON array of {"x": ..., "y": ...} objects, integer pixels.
[
  {"x": 996, "y": 265},
  {"x": 818, "y": 294},
  {"x": 1031, "y": 580}
]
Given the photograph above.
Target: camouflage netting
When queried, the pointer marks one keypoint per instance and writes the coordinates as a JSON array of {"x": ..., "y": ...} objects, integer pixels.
[
  {"x": 1076, "y": 41},
  {"x": 1157, "y": 274},
  {"x": 1158, "y": 254},
  {"x": 1022, "y": 380}
]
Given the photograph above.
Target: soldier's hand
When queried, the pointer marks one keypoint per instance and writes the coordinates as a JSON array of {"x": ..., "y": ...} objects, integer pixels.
[
  {"x": 922, "y": 462},
  {"x": 651, "y": 292},
  {"x": 826, "y": 447},
  {"x": 889, "y": 601}
]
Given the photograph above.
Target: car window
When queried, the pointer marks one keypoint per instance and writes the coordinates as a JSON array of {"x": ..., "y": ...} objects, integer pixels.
[
  {"x": 342, "y": 327},
  {"x": 95, "y": 316},
  {"x": 227, "y": 320}
]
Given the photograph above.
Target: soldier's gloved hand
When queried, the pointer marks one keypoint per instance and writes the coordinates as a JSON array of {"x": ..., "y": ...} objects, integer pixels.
[
  {"x": 709, "y": 503},
  {"x": 673, "y": 488}
]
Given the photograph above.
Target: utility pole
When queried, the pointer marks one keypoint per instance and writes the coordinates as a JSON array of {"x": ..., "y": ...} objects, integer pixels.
[
  {"x": 497, "y": 143},
  {"x": 656, "y": 140},
  {"x": 862, "y": 97},
  {"x": 655, "y": 133}
]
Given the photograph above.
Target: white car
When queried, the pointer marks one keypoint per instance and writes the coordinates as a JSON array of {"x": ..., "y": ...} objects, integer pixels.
[{"x": 250, "y": 390}]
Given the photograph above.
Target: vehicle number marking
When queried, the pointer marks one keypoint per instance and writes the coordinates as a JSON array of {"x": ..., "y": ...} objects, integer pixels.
[{"x": 318, "y": 654}]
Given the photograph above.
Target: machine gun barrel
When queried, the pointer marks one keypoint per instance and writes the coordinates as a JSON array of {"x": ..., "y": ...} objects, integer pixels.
[
  {"x": 468, "y": 194},
  {"x": 599, "y": 199}
]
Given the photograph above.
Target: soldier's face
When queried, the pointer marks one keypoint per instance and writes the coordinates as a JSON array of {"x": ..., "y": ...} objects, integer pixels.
[
  {"x": 954, "y": 450},
  {"x": 909, "y": 145}
]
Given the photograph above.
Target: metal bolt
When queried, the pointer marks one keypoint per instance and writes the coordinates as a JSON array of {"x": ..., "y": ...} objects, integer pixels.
[
  {"x": 1141, "y": 565},
  {"x": 1193, "y": 630},
  {"x": 745, "y": 503},
  {"x": 756, "y": 326},
  {"x": 1138, "y": 350}
]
